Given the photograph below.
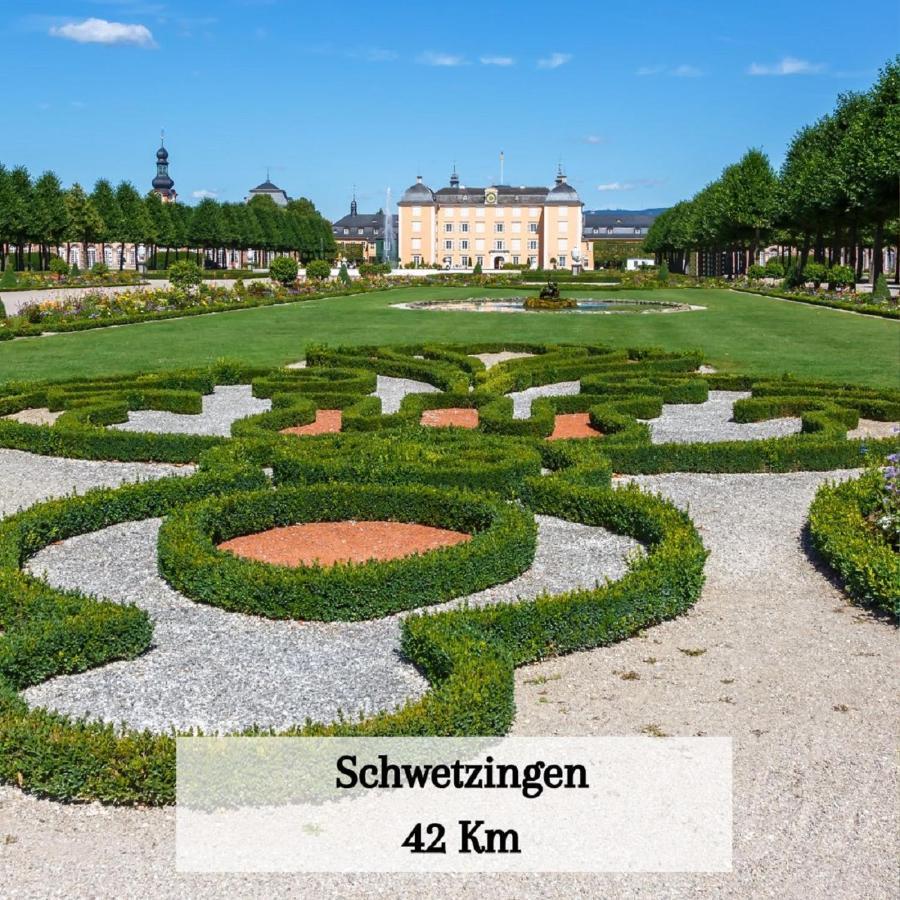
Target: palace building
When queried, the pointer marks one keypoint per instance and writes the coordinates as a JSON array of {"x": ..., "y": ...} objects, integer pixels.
[
  {"x": 459, "y": 226},
  {"x": 365, "y": 231},
  {"x": 267, "y": 189}
]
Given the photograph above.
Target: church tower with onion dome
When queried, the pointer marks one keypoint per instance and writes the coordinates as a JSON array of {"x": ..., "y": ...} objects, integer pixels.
[{"x": 162, "y": 183}]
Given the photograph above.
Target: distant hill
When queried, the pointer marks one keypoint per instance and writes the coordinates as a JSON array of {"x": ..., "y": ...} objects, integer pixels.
[{"x": 655, "y": 211}]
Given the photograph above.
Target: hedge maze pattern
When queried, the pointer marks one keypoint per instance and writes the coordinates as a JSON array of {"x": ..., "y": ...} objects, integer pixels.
[{"x": 490, "y": 481}]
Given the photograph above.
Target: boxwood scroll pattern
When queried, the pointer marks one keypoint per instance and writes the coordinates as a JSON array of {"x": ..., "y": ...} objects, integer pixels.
[
  {"x": 468, "y": 655},
  {"x": 502, "y": 546}
]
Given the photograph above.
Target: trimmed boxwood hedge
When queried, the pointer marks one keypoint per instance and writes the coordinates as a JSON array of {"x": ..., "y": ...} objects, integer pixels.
[
  {"x": 868, "y": 566},
  {"x": 468, "y": 655},
  {"x": 502, "y": 545}
]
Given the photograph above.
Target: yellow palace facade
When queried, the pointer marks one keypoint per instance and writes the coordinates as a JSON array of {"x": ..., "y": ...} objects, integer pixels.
[{"x": 458, "y": 227}]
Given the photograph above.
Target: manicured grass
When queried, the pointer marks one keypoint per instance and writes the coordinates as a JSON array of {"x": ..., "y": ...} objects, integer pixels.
[{"x": 752, "y": 334}]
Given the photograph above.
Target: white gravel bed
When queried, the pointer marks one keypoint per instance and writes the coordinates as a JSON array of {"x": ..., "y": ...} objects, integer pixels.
[
  {"x": 27, "y": 478},
  {"x": 35, "y": 416},
  {"x": 686, "y": 423},
  {"x": 393, "y": 390},
  {"x": 872, "y": 428},
  {"x": 223, "y": 671},
  {"x": 522, "y": 399},
  {"x": 491, "y": 359},
  {"x": 226, "y": 404}
]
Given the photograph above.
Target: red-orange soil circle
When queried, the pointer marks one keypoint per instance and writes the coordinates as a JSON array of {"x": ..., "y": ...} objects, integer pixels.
[
  {"x": 328, "y": 421},
  {"x": 327, "y": 543},
  {"x": 452, "y": 417},
  {"x": 573, "y": 425}
]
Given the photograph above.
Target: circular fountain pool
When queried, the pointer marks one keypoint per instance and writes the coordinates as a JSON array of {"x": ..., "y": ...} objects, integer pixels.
[{"x": 611, "y": 305}]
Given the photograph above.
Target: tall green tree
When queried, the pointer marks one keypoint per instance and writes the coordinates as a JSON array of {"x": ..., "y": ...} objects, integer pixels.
[
  {"x": 50, "y": 217},
  {"x": 22, "y": 220},
  {"x": 104, "y": 199},
  {"x": 85, "y": 222},
  {"x": 137, "y": 226}
]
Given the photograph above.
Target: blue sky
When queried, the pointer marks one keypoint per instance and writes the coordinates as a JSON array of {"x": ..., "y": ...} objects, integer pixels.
[{"x": 641, "y": 103}]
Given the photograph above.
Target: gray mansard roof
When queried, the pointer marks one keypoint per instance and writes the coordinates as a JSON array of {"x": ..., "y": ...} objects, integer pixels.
[
  {"x": 372, "y": 225},
  {"x": 617, "y": 224}
]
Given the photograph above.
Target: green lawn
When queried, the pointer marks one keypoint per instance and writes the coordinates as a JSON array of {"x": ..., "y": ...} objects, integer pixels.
[{"x": 737, "y": 332}]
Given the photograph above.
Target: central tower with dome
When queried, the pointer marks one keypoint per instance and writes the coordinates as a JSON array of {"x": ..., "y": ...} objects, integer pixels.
[{"x": 162, "y": 183}]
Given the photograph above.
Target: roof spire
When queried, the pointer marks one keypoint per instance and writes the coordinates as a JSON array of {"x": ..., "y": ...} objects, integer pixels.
[
  {"x": 560, "y": 175},
  {"x": 454, "y": 178},
  {"x": 353, "y": 202},
  {"x": 162, "y": 137}
]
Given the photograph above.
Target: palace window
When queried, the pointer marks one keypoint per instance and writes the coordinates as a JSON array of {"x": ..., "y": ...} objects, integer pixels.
[
  {"x": 479, "y": 260},
  {"x": 346, "y": 231},
  {"x": 532, "y": 262},
  {"x": 532, "y": 227},
  {"x": 532, "y": 245},
  {"x": 515, "y": 260},
  {"x": 561, "y": 260},
  {"x": 416, "y": 243},
  {"x": 360, "y": 231},
  {"x": 499, "y": 245},
  {"x": 516, "y": 226},
  {"x": 464, "y": 227},
  {"x": 515, "y": 244},
  {"x": 464, "y": 261},
  {"x": 463, "y": 245},
  {"x": 563, "y": 226},
  {"x": 479, "y": 243},
  {"x": 498, "y": 227},
  {"x": 416, "y": 226},
  {"x": 417, "y": 259},
  {"x": 448, "y": 226},
  {"x": 417, "y": 210},
  {"x": 448, "y": 245},
  {"x": 533, "y": 211},
  {"x": 479, "y": 227}
]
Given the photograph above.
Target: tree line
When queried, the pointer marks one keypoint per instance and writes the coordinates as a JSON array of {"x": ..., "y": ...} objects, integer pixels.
[
  {"x": 836, "y": 194},
  {"x": 40, "y": 215}
]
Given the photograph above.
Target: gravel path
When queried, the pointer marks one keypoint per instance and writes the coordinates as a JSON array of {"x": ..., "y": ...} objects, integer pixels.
[
  {"x": 26, "y": 478},
  {"x": 218, "y": 671},
  {"x": 686, "y": 423},
  {"x": 393, "y": 390},
  {"x": 491, "y": 359},
  {"x": 226, "y": 404},
  {"x": 805, "y": 684},
  {"x": 522, "y": 399}
]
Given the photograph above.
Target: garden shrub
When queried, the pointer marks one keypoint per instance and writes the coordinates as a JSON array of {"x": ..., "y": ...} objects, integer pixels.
[
  {"x": 318, "y": 269},
  {"x": 843, "y": 532},
  {"x": 284, "y": 269}
]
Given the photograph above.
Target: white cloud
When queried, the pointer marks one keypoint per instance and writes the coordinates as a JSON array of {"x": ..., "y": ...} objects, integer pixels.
[
  {"x": 594, "y": 139},
  {"x": 497, "y": 61},
  {"x": 788, "y": 65},
  {"x": 430, "y": 58},
  {"x": 204, "y": 194},
  {"x": 379, "y": 54},
  {"x": 554, "y": 60},
  {"x": 629, "y": 185},
  {"x": 682, "y": 71},
  {"x": 99, "y": 31}
]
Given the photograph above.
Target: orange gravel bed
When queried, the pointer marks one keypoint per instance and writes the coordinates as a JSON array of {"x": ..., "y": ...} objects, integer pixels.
[
  {"x": 573, "y": 425},
  {"x": 327, "y": 543},
  {"x": 327, "y": 421},
  {"x": 453, "y": 417}
]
